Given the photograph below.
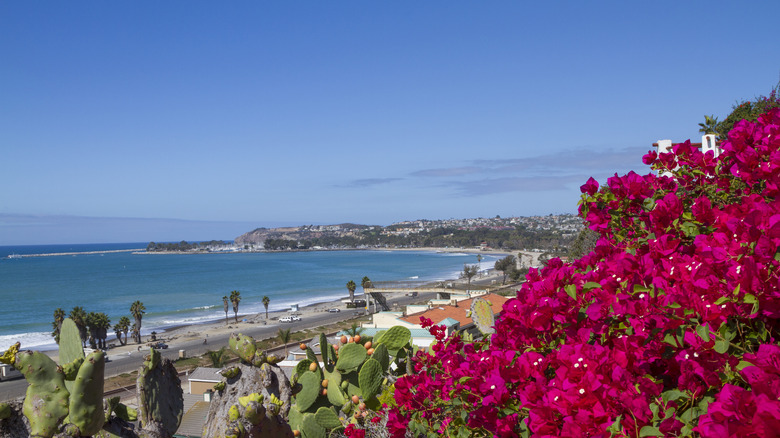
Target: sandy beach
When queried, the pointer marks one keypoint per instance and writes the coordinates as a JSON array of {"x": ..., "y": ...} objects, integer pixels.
[
  {"x": 190, "y": 338},
  {"x": 185, "y": 335}
]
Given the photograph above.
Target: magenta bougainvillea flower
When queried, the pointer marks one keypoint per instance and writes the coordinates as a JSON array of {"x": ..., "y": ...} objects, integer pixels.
[{"x": 669, "y": 327}]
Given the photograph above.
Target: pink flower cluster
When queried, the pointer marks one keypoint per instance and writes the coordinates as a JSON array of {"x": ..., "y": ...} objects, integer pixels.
[{"x": 667, "y": 328}]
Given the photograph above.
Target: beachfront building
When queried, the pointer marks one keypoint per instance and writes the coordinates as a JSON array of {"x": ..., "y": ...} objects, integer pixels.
[
  {"x": 454, "y": 316},
  {"x": 708, "y": 143}
]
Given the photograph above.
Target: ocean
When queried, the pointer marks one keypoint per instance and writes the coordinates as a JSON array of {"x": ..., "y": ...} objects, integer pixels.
[{"x": 188, "y": 288}]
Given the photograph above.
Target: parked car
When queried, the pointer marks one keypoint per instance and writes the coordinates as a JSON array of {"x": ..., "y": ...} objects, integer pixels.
[
  {"x": 334, "y": 310},
  {"x": 8, "y": 372},
  {"x": 296, "y": 318},
  {"x": 160, "y": 345},
  {"x": 286, "y": 319}
]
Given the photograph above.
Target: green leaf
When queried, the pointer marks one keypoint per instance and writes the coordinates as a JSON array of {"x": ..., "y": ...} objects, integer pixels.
[
  {"x": 590, "y": 285},
  {"x": 571, "y": 290},
  {"x": 750, "y": 299},
  {"x": 704, "y": 332},
  {"x": 743, "y": 364},
  {"x": 690, "y": 229},
  {"x": 672, "y": 394},
  {"x": 650, "y": 431},
  {"x": 721, "y": 346}
]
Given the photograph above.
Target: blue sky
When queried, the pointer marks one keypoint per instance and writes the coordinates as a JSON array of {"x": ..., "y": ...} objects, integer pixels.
[{"x": 140, "y": 121}]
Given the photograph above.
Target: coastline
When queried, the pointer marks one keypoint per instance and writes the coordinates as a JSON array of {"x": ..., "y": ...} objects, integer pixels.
[{"x": 253, "y": 317}]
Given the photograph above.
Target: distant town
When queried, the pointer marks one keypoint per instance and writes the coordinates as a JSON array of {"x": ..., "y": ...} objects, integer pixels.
[{"x": 553, "y": 233}]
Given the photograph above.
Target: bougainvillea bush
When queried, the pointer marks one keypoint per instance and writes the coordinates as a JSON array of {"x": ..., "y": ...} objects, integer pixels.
[{"x": 669, "y": 327}]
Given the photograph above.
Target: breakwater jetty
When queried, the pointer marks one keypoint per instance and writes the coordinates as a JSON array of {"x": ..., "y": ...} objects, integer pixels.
[{"x": 53, "y": 254}]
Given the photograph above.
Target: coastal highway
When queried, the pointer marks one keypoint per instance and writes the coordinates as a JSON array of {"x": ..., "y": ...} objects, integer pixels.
[{"x": 125, "y": 364}]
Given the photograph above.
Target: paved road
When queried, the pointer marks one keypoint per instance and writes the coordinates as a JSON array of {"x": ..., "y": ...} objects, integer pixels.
[{"x": 126, "y": 364}]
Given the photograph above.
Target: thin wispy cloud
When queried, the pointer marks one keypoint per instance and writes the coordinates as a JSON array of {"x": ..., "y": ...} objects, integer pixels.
[
  {"x": 448, "y": 172},
  {"x": 490, "y": 186},
  {"x": 558, "y": 170},
  {"x": 368, "y": 182}
]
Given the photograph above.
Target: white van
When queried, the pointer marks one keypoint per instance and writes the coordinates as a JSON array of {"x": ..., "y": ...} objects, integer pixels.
[{"x": 7, "y": 372}]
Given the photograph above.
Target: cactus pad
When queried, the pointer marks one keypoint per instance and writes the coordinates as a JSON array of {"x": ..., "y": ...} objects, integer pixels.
[
  {"x": 327, "y": 418},
  {"x": 482, "y": 315},
  {"x": 350, "y": 357},
  {"x": 395, "y": 338},
  {"x": 243, "y": 346},
  {"x": 370, "y": 378},
  {"x": 311, "y": 389},
  {"x": 381, "y": 355},
  {"x": 86, "y": 399},
  {"x": 46, "y": 402},
  {"x": 310, "y": 428}
]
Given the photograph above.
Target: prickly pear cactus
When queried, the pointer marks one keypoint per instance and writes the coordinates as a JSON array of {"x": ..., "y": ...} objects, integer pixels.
[
  {"x": 253, "y": 398},
  {"x": 346, "y": 380},
  {"x": 50, "y": 407},
  {"x": 482, "y": 314},
  {"x": 86, "y": 398},
  {"x": 160, "y": 400},
  {"x": 46, "y": 400}
]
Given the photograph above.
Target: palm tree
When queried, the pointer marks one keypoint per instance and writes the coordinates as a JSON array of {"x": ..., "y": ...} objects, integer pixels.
[
  {"x": 710, "y": 125},
  {"x": 354, "y": 330},
  {"x": 59, "y": 316},
  {"x": 235, "y": 298},
  {"x": 217, "y": 357},
  {"x": 351, "y": 286},
  {"x": 79, "y": 316},
  {"x": 103, "y": 324},
  {"x": 366, "y": 282},
  {"x": 469, "y": 271},
  {"x": 266, "y": 301},
  {"x": 92, "y": 323},
  {"x": 284, "y": 336},
  {"x": 122, "y": 327},
  {"x": 137, "y": 309},
  {"x": 225, "y": 302}
]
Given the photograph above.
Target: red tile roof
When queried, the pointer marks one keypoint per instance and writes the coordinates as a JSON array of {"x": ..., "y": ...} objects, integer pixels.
[{"x": 440, "y": 313}]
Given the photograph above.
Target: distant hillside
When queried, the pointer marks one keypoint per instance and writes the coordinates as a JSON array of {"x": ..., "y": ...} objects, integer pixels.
[{"x": 547, "y": 233}]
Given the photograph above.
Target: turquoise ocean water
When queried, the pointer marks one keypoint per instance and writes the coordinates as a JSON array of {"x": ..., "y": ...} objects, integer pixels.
[{"x": 188, "y": 288}]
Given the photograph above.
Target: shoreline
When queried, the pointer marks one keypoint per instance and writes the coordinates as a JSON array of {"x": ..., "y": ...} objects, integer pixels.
[{"x": 185, "y": 329}]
